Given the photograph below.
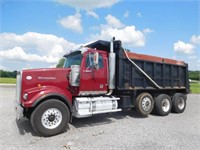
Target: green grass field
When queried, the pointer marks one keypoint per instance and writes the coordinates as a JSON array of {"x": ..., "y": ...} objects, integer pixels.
[
  {"x": 194, "y": 87},
  {"x": 8, "y": 80}
]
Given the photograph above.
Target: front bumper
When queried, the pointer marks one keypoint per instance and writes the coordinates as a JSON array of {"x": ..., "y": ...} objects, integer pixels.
[{"x": 19, "y": 111}]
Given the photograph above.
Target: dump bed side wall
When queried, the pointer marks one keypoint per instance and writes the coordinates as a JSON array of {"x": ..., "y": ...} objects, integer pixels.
[{"x": 167, "y": 76}]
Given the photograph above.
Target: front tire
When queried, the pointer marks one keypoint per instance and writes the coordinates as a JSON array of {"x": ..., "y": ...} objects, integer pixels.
[
  {"x": 163, "y": 105},
  {"x": 144, "y": 104},
  {"x": 50, "y": 118}
]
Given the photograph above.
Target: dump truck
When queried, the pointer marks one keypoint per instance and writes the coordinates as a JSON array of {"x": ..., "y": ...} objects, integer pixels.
[{"x": 101, "y": 77}]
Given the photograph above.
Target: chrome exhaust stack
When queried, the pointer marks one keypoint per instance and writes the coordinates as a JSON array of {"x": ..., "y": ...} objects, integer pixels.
[{"x": 112, "y": 64}]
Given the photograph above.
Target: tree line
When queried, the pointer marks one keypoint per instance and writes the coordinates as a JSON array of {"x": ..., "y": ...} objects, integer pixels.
[
  {"x": 8, "y": 74},
  {"x": 194, "y": 75}
]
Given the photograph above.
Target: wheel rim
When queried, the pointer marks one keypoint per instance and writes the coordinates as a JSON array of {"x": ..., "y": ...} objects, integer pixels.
[
  {"x": 165, "y": 105},
  {"x": 51, "y": 118},
  {"x": 146, "y": 104},
  {"x": 181, "y": 103}
]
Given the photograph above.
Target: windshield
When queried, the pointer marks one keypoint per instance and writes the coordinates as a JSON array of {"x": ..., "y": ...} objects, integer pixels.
[{"x": 72, "y": 59}]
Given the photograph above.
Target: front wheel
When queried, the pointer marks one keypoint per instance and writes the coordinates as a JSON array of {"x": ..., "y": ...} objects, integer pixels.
[
  {"x": 144, "y": 104},
  {"x": 50, "y": 118}
]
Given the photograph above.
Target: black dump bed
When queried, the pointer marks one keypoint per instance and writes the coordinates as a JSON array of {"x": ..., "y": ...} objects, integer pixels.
[{"x": 146, "y": 72}]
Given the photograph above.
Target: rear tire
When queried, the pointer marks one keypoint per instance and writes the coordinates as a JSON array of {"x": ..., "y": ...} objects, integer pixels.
[
  {"x": 178, "y": 103},
  {"x": 163, "y": 105},
  {"x": 144, "y": 104},
  {"x": 50, "y": 118}
]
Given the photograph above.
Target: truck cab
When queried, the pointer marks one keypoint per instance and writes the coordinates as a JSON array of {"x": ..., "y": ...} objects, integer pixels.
[{"x": 89, "y": 71}]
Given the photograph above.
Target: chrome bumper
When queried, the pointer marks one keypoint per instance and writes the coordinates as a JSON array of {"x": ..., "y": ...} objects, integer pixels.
[{"x": 19, "y": 111}]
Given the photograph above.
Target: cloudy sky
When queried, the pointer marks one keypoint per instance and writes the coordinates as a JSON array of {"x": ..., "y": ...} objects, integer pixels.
[{"x": 37, "y": 33}]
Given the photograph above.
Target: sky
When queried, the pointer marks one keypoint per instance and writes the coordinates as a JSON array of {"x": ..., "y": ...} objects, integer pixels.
[{"x": 37, "y": 33}]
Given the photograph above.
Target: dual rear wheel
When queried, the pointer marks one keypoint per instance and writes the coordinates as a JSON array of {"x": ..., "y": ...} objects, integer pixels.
[
  {"x": 163, "y": 104},
  {"x": 178, "y": 103},
  {"x": 144, "y": 103}
]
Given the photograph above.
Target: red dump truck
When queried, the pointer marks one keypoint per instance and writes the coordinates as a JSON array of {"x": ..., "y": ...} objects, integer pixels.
[{"x": 101, "y": 77}]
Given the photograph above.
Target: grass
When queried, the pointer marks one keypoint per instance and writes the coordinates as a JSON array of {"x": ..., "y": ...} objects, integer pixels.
[
  {"x": 195, "y": 87},
  {"x": 8, "y": 80}
]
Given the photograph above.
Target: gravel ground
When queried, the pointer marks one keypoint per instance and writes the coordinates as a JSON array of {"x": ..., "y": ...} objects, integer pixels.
[{"x": 117, "y": 131}]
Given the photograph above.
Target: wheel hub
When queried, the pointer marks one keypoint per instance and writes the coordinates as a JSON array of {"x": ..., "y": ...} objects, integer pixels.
[
  {"x": 146, "y": 104},
  {"x": 181, "y": 103},
  {"x": 165, "y": 105},
  {"x": 51, "y": 118}
]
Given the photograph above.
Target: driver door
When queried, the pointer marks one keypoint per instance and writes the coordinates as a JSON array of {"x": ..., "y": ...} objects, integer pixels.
[{"x": 93, "y": 79}]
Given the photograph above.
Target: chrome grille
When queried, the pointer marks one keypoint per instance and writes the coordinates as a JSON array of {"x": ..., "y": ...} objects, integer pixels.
[{"x": 18, "y": 87}]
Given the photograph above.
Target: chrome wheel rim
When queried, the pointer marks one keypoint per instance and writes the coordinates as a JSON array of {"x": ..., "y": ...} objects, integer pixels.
[
  {"x": 146, "y": 104},
  {"x": 51, "y": 118},
  {"x": 181, "y": 103},
  {"x": 165, "y": 105}
]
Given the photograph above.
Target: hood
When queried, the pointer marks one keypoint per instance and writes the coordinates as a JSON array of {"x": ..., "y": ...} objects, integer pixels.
[{"x": 45, "y": 77}]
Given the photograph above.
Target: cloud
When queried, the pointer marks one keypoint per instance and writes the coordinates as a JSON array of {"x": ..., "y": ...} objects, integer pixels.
[
  {"x": 53, "y": 66},
  {"x": 185, "y": 48},
  {"x": 195, "y": 40},
  {"x": 72, "y": 22},
  {"x": 139, "y": 14},
  {"x": 128, "y": 35},
  {"x": 126, "y": 14},
  {"x": 92, "y": 13},
  {"x": 189, "y": 51},
  {"x": 34, "y": 47},
  {"x": 2, "y": 67},
  {"x": 147, "y": 30},
  {"x": 17, "y": 53},
  {"x": 113, "y": 22},
  {"x": 192, "y": 57},
  {"x": 88, "y": 5},
  {"x": 194, "y": 64},
  {"x": 113, "y": 27}
]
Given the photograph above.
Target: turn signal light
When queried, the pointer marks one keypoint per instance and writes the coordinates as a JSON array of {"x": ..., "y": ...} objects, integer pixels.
[{"x": 39, "y": 85}]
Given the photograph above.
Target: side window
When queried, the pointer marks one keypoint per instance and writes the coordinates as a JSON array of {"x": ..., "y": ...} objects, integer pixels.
[
  {"x": 100, "y": 61},
  {"x": 89, "y": 60}
]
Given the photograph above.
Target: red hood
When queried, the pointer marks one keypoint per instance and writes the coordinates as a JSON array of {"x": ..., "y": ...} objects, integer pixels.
[
  {"x": 45, "y": 77},
  {"x": 39, "y": 82}
]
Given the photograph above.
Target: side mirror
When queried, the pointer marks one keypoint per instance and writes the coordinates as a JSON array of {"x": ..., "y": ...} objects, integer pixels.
[
  {"x": 96, "y": 58},
  {"x": 93, "y": 61}
]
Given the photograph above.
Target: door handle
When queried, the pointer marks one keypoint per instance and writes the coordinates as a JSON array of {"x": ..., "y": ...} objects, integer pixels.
[{"x": 87, "y": 71}]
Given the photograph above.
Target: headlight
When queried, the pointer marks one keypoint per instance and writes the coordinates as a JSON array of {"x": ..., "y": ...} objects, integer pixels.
[{"x": 25, "y": 96}]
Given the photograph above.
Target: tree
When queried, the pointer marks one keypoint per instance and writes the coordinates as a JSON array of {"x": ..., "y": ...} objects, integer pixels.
[
  {"x": 194, "y": 75},
  {"x": 60, "y": 63},
  {"x": 8, "y": 74}
]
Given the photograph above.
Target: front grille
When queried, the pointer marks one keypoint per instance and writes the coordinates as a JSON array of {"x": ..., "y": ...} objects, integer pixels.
[{"x": 18, "y": 87}]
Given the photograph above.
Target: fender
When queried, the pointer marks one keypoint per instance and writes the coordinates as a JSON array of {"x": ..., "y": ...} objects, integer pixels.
[
  {"x": 60, "y": 96},
  {"x": 50, "y": 91}
]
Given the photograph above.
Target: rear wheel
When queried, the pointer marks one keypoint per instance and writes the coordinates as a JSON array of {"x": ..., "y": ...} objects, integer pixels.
[
  {"x": 163, "y": 105},
  {"x": 50, "y": 118},
  {"x": 144, "y": 104},
  {"x": 178, "y": 103}
]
